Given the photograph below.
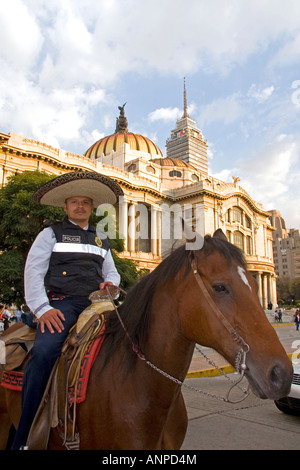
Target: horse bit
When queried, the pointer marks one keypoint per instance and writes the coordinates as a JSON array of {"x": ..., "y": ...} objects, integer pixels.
[{"x": 240, "y": 361}]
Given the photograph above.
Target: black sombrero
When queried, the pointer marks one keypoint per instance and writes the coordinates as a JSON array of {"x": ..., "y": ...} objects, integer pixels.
[{"x": 100, "y": 188}]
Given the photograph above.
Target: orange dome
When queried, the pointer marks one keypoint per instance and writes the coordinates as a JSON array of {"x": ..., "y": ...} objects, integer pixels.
[
  {"x": 172, "y": 162},
  {"x": 121, "y": 136},
  {"x": 114, "y": 142}
]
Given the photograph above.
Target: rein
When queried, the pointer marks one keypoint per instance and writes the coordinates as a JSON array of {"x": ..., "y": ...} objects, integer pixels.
[{"x": 240, "y": 362}]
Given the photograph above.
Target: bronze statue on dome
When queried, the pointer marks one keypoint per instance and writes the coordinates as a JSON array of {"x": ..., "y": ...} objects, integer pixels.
[{"x": 122, "y": 123}]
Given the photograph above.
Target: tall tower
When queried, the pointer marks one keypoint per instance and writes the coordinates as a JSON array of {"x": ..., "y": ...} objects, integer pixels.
[{"x": 186, "y": 141}]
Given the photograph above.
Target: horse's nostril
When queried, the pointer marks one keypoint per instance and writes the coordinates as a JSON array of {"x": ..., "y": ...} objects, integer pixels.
[
  {"x": 275, "y": 375},
  {"x": 280, "y": 378}
]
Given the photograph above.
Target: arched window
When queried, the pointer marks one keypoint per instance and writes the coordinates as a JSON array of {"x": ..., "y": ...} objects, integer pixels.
[
  {"x": 236, "y": 215},
  {"x": 238, "y": 240}
]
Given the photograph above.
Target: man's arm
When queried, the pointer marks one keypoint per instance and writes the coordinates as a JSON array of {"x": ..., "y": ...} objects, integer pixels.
[
  {"x": 36, "y": 267},
  {"x": 109, "y": 271}
]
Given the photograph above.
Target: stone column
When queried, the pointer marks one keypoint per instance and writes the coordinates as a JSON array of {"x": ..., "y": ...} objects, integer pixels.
[
  {"x": 274, "y": 291},
  {"x": 131, "y": 228},
  {"x": 159, "y": 231},
  {"x": 265, "y": 291},
  {"x": 270, "y": 290},
  {"x": 154, "y": 230},
  {"x": 123, "y": 221},
  {"x": 259, "y": 283}
]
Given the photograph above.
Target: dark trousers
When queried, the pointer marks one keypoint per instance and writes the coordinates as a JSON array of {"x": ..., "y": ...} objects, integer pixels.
[{"x": 47, "y": 347}]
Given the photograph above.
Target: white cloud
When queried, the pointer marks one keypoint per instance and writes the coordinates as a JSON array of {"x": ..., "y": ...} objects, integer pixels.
[
  {"x": 260, "y": 95},
  {"x": 67, "y": 43},
  {"x": 225, "y": 175},
  {"x": 104, "y": 39},
  {"x": 165, "y": 114},
  {"x": 271, "y": 177},
  {"x": 276, "y": 162},
  {"x": 53, "y": 116},
  {"x": 20, "y": 35}
]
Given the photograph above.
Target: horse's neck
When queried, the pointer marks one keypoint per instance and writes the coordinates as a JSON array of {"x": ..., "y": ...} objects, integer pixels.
[{"x": 166, "y": 347}]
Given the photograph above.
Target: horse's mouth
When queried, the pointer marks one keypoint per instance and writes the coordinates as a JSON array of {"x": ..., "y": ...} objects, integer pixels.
[
  {"x": 274, "y": 386},
  {"x": 255, "y": 387}
]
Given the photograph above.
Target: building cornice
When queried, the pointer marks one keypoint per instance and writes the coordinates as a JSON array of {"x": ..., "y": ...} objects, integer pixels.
[{"x": 217, "y": 190}]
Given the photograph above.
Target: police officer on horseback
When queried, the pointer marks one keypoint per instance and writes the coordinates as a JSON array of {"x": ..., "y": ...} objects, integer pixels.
[{"x": 66, "y": 262}]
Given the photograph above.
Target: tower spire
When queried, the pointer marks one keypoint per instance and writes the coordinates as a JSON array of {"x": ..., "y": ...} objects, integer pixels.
[
  {"x": 186, "y": 142},
  {"x": 185, "y": 107}
]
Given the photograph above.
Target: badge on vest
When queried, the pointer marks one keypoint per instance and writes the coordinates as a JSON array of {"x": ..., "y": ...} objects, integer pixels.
[
  {"x": 71, "y": 239},
  {"x": 98, "y": 241}
]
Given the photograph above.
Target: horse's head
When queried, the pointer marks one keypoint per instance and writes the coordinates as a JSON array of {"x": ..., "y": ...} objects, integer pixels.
[{"x": 219, "y": 287}]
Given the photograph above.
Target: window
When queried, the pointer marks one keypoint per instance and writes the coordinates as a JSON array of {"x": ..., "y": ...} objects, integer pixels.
[
  {"x": 132, "y": 167},
  {"x": 175, "y": 173},
  {"x": 238, "y": 240},
  {"x": 150, "y": 169},
  {"x": 247, "y": 221},
  {"x": 248, "y": 245},
  {"x": 237, "y": 215}
]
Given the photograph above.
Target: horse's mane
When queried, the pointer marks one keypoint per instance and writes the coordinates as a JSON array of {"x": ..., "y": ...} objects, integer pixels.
[{"x": 136, "y": 308}]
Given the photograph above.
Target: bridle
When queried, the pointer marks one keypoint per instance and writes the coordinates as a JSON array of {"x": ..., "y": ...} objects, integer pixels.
[
  {"x": 240, "y": 362},
  {"x": 233, "y": 333}
]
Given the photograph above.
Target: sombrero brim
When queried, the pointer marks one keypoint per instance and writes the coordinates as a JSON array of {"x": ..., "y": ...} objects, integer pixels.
[{"x": 99, "y": 188}]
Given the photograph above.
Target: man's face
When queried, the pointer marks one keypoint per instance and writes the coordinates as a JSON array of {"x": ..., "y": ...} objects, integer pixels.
[{"x": 79, "y": 209}]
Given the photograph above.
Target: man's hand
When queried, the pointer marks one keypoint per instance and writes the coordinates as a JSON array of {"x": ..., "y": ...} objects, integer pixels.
[
  {"x": 52, "y": 318},
  {"x": 103, "y": 285}
]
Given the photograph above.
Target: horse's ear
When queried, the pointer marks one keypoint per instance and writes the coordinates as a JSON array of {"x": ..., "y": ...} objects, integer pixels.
[
  {"x": 220, "y": 234},
  {"x": 194, "y": 241}
]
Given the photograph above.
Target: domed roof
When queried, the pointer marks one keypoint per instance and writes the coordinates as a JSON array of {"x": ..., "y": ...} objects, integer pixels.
[
  {"x": 172, "y": 162},
  {"x": 121, "y": 136},
  {"x": 114, "y": 142}
]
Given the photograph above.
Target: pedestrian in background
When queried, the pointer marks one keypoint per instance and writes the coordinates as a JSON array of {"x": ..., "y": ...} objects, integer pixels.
[
  {"x": 6, "y": 317},
  {"x": 297, "y": 319}
]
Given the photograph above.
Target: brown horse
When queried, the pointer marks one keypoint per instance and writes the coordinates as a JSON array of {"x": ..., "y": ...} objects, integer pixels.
[{"x": 206, "y": 297}]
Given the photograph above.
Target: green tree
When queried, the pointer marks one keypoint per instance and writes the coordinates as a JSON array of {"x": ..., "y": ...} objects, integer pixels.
[{"x": 21, "y": 219}]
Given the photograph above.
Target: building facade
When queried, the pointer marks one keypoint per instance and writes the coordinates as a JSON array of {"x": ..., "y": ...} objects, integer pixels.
[
  {"x": 286, "y": 248},
  {"x": 157, "y": 190}
]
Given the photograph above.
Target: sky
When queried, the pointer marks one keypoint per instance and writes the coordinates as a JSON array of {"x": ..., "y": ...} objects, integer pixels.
[{"x": 66, "y": 66}]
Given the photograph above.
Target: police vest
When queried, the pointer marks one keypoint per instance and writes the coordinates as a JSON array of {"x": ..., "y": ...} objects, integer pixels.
[{"x": 75, "y": 267}]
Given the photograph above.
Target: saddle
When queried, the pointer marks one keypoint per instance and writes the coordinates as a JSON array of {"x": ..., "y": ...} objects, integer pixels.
[
  {"x": 16, "y": 346},
  {"x": 56, "y": 404}
]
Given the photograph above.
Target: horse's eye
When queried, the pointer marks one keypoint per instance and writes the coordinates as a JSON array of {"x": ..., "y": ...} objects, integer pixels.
[{"x": 220, "y": 289}]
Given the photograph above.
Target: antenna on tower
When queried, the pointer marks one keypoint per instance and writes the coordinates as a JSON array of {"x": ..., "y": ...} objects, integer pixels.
[{"x": 185, "y": 107}]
